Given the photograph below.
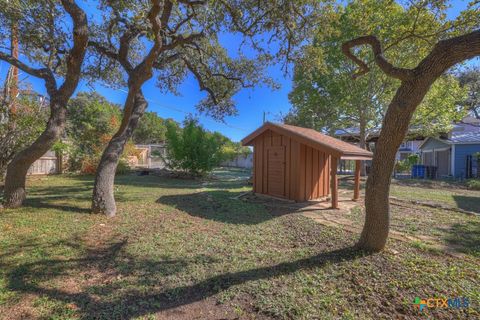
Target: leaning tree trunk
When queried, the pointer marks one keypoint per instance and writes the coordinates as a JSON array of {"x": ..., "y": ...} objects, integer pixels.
[
  {"x": 394, "y": 129},
  {"x": 103, "y": 200},
  {"x": 14, "y": 192},
  {"x": 363, "y": 142},
  {"x": 414, "y": 86}
]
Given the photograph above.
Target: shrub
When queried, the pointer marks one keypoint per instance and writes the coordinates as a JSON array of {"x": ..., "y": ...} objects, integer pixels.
[
  {"x": 20, "y": 128},
  {"x": 473, "y": 184},
  {"x": 123, "y": 167},
  {"x": 91, "y": 124},
  {"x": 192, "y": 149},
  {"x": 88, "y": 164},
  {"x": 406, "y": 165},
  {"x": 92, "y": 121}
]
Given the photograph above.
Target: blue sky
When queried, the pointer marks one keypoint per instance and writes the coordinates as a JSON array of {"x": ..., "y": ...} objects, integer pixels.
[{"x": 251, "y": 103}]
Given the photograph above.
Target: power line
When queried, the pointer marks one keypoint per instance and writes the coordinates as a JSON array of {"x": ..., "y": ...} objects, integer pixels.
[{"x": 180, "y": 110}]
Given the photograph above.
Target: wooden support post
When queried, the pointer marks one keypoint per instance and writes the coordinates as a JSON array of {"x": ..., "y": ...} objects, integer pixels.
[
  {"x": 59, "y": 155},
  {"x": 334, "y": 182},
  {"x": 356, "y": 191}
]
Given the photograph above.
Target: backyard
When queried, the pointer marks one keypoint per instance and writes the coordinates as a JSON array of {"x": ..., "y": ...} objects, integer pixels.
[{"x": 186, "y": 249}]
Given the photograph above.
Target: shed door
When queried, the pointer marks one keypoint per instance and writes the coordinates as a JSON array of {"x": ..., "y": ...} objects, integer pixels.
[{"x": 276, "y": 171}]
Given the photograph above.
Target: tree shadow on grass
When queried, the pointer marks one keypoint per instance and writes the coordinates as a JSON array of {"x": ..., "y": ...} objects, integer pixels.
[
  {"x": 41, "y": 203},
  {"x": 154, "y": 181},
  {"x": 127, "y": 299},
  {"x": 468, "y": 203},
  {"x": 219, "y": 206},
  {"x": 63, "y": 198},
  {"x": 465, "y": 237}
]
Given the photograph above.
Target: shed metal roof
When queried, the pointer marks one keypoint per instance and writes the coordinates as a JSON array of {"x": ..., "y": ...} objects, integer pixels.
[{"x": 313, "y": 138}]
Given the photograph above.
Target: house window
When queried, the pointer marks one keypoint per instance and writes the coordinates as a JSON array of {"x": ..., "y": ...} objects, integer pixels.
[{"x": 406, "y": 145}]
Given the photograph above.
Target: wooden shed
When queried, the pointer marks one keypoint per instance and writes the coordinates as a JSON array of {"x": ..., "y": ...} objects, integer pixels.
[{"x": 300, "y": 164}]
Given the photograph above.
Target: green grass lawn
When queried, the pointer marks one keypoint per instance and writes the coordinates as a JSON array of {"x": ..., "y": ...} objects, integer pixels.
[
  {"x": 182, "y": 249},
  {"x": 452, "y": 194}
]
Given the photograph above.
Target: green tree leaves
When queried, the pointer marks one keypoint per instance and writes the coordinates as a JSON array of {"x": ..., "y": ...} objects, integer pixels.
[
  {"x": 92, "y": 120},
  {"x": 470, "y": 81},
  {"x": 151, "y": 129},
  {"x": 324, "y": 96}
]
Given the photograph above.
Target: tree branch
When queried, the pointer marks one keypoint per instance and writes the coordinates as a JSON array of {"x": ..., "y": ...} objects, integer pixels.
[
  {"x": 103, "y": 50},
  {"x": 43, "y": 73},
  {"x": 387, "y": 67},
  {"x": 449, "y": 52},
  {"x": 77, "y": 53},
  {"x": 201, "y": 83},
  {"x": 144, "y": 69}
]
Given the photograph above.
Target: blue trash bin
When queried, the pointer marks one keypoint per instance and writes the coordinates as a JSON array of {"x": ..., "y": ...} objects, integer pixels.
[{"x": 418, "y": 171}]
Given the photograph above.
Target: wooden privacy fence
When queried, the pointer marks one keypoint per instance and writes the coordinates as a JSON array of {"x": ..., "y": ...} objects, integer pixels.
[{"x": 50, "y": 163}]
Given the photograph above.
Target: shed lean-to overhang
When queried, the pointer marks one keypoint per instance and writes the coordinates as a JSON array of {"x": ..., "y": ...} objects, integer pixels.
[{"x": 314, "y": 139}]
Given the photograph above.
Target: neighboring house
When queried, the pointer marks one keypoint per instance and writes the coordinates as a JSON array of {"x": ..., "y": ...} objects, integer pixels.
[
  {"x": 453, "y": 155},
  {"x": 467, "y": 132},
  {"x": 406, "y": 148},
  {"x": 409, "y": 147}
]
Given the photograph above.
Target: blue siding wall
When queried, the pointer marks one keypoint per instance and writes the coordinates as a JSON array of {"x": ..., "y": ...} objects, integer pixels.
[{"x": 461, "y": 153}]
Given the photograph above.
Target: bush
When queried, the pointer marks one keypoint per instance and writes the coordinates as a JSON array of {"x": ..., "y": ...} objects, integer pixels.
[
  {"x": 92, "y": 121},
  {"x": 473, "y": 184},
  {"x": 192, "y": 149},
  {"x": 88, "y": 165},
  {"x": 20, "y": 128},
  {"x": 123, "y": 167},
  {"x": 406, "y": 165}
]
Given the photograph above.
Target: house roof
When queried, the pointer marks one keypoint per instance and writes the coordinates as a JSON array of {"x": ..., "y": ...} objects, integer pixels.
[
  {"x": 462, "y": 133},
  {"x": 469, "y": 137},
  {"x": 355, "y": 132},
  {"x": 465, "y": 133},
  {"x": 314, "y": 139},
  {"x": 372, "y": 133}
]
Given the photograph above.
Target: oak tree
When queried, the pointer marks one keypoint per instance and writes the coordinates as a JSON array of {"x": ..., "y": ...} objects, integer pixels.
[
  {"x": 50, "y": 50},
  {"x": 415, "y": 82},
  {"x": 325, "y": 98},
  {"x": 470, "y": 79},
  {"x": 175, "y": 39}
]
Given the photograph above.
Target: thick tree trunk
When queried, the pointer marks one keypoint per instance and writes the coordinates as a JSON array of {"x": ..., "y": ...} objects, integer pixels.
[
  {"x": 103, "y": 200},
  {"x": 415, "y": 84},
  {"x": 363, "y": 142},
  {"x": 395, "y": 126},
  {"x": 14, "y": 193}
]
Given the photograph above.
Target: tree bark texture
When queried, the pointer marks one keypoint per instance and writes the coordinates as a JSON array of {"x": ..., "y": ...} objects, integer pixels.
[
  {"x": 415, "y": 83},
  {"x": 14, "y": 193},
  {"x": 363, "y": 142},
  {"x": 103, "y": 200},
  {"x": 17, "y": 169},
  {"x": 395, "y": 126}
]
